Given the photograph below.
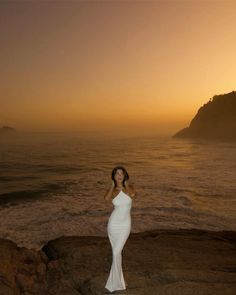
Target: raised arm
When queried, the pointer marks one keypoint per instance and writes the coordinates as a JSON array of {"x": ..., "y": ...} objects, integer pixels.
[
  {"x": 131, "y": 188},
  {"x": 108, "y": 194},
  {"x": 133, "y": 192}
]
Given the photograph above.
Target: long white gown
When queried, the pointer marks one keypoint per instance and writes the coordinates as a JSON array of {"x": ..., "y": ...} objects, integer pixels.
[{"x": 118, "y": 228}]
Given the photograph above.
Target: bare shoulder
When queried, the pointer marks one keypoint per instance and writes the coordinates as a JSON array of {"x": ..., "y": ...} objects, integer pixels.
[{"x": 132, "y": 190}]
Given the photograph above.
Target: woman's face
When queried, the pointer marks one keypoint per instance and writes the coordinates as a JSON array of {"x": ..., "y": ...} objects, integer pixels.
[{"x": 119, "y": 176}]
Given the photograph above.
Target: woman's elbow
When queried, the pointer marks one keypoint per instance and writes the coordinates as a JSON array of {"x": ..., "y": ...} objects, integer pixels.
[{"x": 106, "y": 198}]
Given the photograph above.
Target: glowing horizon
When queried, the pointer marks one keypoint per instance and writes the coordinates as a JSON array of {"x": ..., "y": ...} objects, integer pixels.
[{"x": 110, "y": 65}]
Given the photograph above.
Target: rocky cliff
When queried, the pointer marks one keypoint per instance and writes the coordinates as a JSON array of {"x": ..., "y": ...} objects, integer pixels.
[
  {"x": 163, "y": 262},
  {"x": 214, "y": 120}
]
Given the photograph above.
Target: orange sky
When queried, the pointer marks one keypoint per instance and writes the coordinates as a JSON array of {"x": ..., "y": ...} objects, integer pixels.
[{"x": 121, "y": 65}]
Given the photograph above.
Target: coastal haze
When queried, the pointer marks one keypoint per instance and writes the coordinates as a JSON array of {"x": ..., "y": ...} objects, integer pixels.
[
  {"x": 123, "y": 67},
  {"x": 53, "y": 184},
  {"x": 89, "y": 85}
]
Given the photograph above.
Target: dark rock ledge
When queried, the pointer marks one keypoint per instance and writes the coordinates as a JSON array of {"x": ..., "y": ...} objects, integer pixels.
[{"x": 163, "y": 262}]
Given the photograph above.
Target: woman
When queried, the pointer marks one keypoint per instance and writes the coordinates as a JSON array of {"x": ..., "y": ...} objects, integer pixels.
[{"x": 119, "y": 224}]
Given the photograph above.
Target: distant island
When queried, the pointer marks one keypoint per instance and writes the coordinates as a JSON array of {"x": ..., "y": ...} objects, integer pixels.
[
  {"x": 7, "y": 129},
  {"x": 214, "y": 120}
]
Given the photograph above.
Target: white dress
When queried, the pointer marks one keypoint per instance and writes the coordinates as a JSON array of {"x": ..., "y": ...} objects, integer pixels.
[{"x": 118, "y": 228}]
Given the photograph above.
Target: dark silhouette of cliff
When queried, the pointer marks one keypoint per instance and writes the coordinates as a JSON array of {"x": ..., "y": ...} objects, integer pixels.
[{"x": 214, "y": 120}]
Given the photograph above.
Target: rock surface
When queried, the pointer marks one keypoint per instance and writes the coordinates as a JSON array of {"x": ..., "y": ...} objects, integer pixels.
[
  {"x": 215, "y": 120},
  {"x": 22, "y": 270},
  {"x": 163, "y": 262}
]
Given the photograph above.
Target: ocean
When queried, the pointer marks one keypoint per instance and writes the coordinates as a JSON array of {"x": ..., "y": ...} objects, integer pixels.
[{"x": 53, "y": 184}]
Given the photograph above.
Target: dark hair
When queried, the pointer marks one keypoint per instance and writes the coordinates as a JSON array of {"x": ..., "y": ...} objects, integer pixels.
[{"x": 113, "y": 173}]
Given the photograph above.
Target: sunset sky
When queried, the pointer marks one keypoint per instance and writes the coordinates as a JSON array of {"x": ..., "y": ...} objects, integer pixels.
[{"x": 113, "y": 65}]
